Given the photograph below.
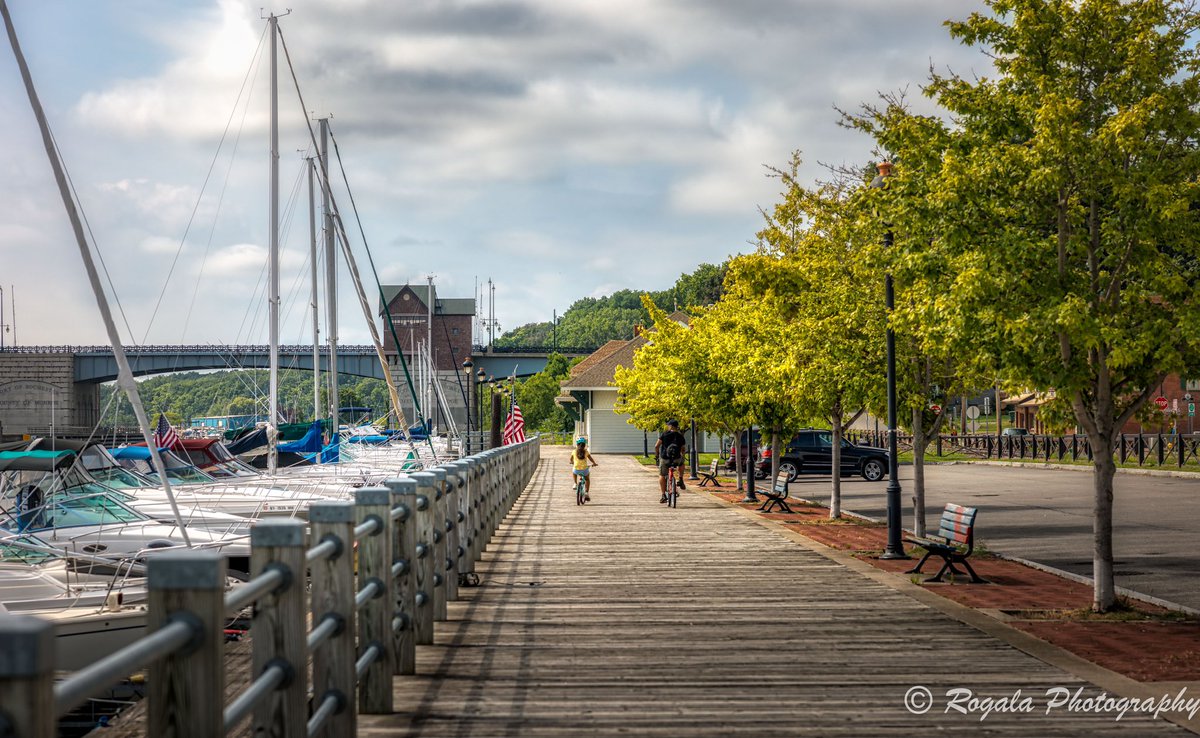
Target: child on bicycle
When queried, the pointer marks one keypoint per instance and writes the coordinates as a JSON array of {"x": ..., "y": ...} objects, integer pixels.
[{"x": 579, "y": 464}]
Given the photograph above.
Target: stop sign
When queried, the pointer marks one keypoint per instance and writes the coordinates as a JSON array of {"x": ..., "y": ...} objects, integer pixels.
[
  {"x": 937, "y": 409},
  {"x": 1161, "y": 402}
]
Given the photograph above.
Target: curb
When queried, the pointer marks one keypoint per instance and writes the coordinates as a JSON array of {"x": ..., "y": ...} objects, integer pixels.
[
  {"x": 1072, "y": 467},
  {"x": 1044, "y": 651}
]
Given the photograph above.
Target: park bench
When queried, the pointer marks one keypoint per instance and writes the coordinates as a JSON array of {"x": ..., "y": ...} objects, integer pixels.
[
  {"x": 776, "y": 494},
  {"x": 954, "y": 542},
  {"x": 710, "y": 475}
]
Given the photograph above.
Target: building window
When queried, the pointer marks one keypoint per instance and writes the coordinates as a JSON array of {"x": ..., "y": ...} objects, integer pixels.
[{"x": 454, "y": 331}]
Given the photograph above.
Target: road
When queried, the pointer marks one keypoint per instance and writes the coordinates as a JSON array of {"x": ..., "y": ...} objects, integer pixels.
[{"x": 1045, "y": 515}]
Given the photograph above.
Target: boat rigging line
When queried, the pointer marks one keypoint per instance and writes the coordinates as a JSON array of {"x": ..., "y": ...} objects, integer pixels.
[
  {"x": 125, "y": 374},
  {"x": 358, "y": 285}
]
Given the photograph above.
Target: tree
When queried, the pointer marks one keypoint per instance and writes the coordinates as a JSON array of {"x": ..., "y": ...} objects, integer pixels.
[
  {"x": 825, "y": 273},
  {"x": 536, "y": 396},
  {"x": 1066, "y": 198}
]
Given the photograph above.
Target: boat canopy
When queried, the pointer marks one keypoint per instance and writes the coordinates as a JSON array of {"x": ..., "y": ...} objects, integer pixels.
[
  {"x": 38, "y": 461},
  {"x": 137, "y": 453},
  {"x": 311, "y": 443}
]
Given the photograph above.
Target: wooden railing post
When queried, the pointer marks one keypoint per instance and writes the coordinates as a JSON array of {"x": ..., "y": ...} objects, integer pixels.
[
  {"x": 279, "y": 624},
  {"x": 333, "y": 599},
  {"x": 439, "y": 543},
  {"x": 460, "y": 516},
  {"x": 186, "y": 692},
  {"x": 26, "y": 677},
  {"x": 423, "y": 623},
  {"x": 450, "y": 527},
  {"x": 375, "y": 560},
  {"x": 489, "y": 498},
  {"x": 474, "y": 510},
  {"x": 404, "y": 496}
]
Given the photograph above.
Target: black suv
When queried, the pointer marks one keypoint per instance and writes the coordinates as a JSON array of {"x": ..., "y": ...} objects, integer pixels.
[{"x": 811, "y": 452}]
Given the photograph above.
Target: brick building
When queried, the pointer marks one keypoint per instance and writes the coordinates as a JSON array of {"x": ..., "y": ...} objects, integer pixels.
[{"x": 410, "y": 307}]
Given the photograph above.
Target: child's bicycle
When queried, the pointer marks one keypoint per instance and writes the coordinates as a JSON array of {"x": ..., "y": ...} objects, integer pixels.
[{"x": 581, "y": 495}]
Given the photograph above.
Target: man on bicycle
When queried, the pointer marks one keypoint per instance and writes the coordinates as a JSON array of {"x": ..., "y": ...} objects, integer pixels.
[{"x": 669, "y": 451}]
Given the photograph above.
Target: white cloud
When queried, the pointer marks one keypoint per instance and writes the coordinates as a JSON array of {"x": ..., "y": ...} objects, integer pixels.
[{"x": 517, "y": 140}]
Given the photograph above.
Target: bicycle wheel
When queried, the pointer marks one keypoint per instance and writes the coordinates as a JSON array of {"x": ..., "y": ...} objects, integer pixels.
[
  {"x": 579, "y": 492},
  {"x": 672, "y": 490}
]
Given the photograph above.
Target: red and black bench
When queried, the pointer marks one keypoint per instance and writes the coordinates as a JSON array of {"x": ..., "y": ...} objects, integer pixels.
[{"x": 954, "y": 542}]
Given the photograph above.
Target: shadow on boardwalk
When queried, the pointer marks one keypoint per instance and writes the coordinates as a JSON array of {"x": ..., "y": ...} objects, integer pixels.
[{"x": 625, "y": 618}]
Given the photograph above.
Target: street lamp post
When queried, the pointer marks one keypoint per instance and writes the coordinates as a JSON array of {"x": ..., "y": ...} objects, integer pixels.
[
  {"x": 894, "y": 549},
  {"x": 480, "y": 377},
  {"x": 467, "y": 365}
]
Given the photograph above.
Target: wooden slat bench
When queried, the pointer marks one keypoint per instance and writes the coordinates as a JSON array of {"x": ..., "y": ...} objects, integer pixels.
[
  {"x": 776, "y": 494},
  {"x": 710, "y": 475},
  {"x": 954, "y": 542}
]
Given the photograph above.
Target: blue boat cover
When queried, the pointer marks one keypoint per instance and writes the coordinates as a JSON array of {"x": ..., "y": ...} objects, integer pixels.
[{"x": 311, "y": 443}]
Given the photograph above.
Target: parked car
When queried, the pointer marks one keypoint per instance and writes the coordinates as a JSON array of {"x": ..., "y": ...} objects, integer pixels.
[
  {"x": 736, "y": 449},
  {"x": 1014, "y": 432},
  {"x": 811, "y": 452}
]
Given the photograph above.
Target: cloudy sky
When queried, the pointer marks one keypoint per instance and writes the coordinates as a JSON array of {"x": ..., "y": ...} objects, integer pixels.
[{"x": 561, "y": 148}]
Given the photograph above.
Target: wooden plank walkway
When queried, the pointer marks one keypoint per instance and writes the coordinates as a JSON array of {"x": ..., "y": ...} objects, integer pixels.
[{"x": 626, "y": 618}]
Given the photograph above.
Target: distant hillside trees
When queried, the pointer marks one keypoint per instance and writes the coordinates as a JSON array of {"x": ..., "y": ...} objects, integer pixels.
[{"x": 593, "y": 321}]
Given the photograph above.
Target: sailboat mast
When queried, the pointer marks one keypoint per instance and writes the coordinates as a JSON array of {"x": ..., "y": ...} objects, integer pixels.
[
  {"x": 331, "y": 266},
  {"x": 429, "y": 356},
  {"x": 316, "y": 315},
  {"x": 124, "y": 373},
  {"x": 273, "y": 260}
]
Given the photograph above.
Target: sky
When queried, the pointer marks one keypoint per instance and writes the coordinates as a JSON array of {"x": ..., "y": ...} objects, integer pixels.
[{"x": 560, "y": 148}]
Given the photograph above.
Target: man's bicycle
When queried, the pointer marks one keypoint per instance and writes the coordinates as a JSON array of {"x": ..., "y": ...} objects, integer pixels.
[{"x": 672, "y": 487}]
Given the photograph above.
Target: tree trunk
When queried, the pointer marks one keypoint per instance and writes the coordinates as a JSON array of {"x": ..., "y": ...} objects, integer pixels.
[
  {"x": 918, "y": 497},
  {"x": 835, "y": 499},
  {"x": 775, "y": 453},
  {"x": 1103, "y": 585}
]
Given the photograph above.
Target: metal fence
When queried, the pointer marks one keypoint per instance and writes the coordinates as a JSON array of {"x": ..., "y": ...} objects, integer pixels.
[
  {"x": 374, "y": 575},
  {"x": 1142, "y": 449}
]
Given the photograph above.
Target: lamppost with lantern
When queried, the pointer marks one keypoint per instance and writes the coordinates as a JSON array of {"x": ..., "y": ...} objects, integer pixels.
[
  {"x": 467, "y": 365},
  {"x": 894, "y": 548}
]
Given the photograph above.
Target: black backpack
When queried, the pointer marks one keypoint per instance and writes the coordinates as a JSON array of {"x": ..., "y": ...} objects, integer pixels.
[{"x": 672, "y": 453}]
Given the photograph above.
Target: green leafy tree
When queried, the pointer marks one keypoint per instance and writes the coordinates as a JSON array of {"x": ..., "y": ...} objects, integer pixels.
[
  {"x": 1066, "y": 201},
  {"x": 819, "y": 260}
]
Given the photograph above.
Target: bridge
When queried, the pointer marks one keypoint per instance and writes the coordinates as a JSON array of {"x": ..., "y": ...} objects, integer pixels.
[{"x": 43, "y": 386}]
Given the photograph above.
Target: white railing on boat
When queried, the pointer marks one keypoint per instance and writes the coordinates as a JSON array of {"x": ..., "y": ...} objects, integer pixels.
[{"x": 413, "y": 540}]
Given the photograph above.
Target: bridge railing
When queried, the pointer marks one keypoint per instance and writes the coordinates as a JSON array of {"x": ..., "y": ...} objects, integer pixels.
[
  {"x": 201, "y": 348},
  {"x": 380, "y": 571},
  {"x": 535, "y": 349}
]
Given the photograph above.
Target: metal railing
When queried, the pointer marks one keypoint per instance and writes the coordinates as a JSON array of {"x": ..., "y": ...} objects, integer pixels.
[
  {"x": 374, "y": 575},
  {"x": 1142, "y": 449}
]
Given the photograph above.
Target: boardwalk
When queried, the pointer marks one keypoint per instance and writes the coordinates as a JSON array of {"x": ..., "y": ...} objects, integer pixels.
[{"x": 626, "y": 618}]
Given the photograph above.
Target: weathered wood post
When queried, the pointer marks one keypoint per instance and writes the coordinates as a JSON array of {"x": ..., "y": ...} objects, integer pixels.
[
  {"x": 473, "y": 507},
  {"x": 439, "y": 543},
  {"x": 279, "y": 626},
  {"x": 423, "y": 623},
  {"x": 375, "y": 561},
  {"x": 404, "y": 542},
  {"x": 491, "y": 495},
  {"x": 26, "y": 677},
  {"x": 453, "y": 492},
  {"x": 460, "y": 516},
  {"x": 333, "y": 590},
  {"x": 186, "y": 691}
]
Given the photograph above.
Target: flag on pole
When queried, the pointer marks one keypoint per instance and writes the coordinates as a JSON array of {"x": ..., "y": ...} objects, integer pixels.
[
  {"x": 164, "y": 435},
  {"x": 514, "y": 427}
]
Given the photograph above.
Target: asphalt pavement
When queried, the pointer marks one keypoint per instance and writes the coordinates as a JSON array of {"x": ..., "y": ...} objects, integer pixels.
[{"x": 1045, "y": 515}]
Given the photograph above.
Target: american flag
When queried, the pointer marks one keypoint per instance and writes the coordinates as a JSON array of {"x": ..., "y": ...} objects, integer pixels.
[
  {"x": 514, "y": 427},
  {"x": 164, "y": 435}
]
